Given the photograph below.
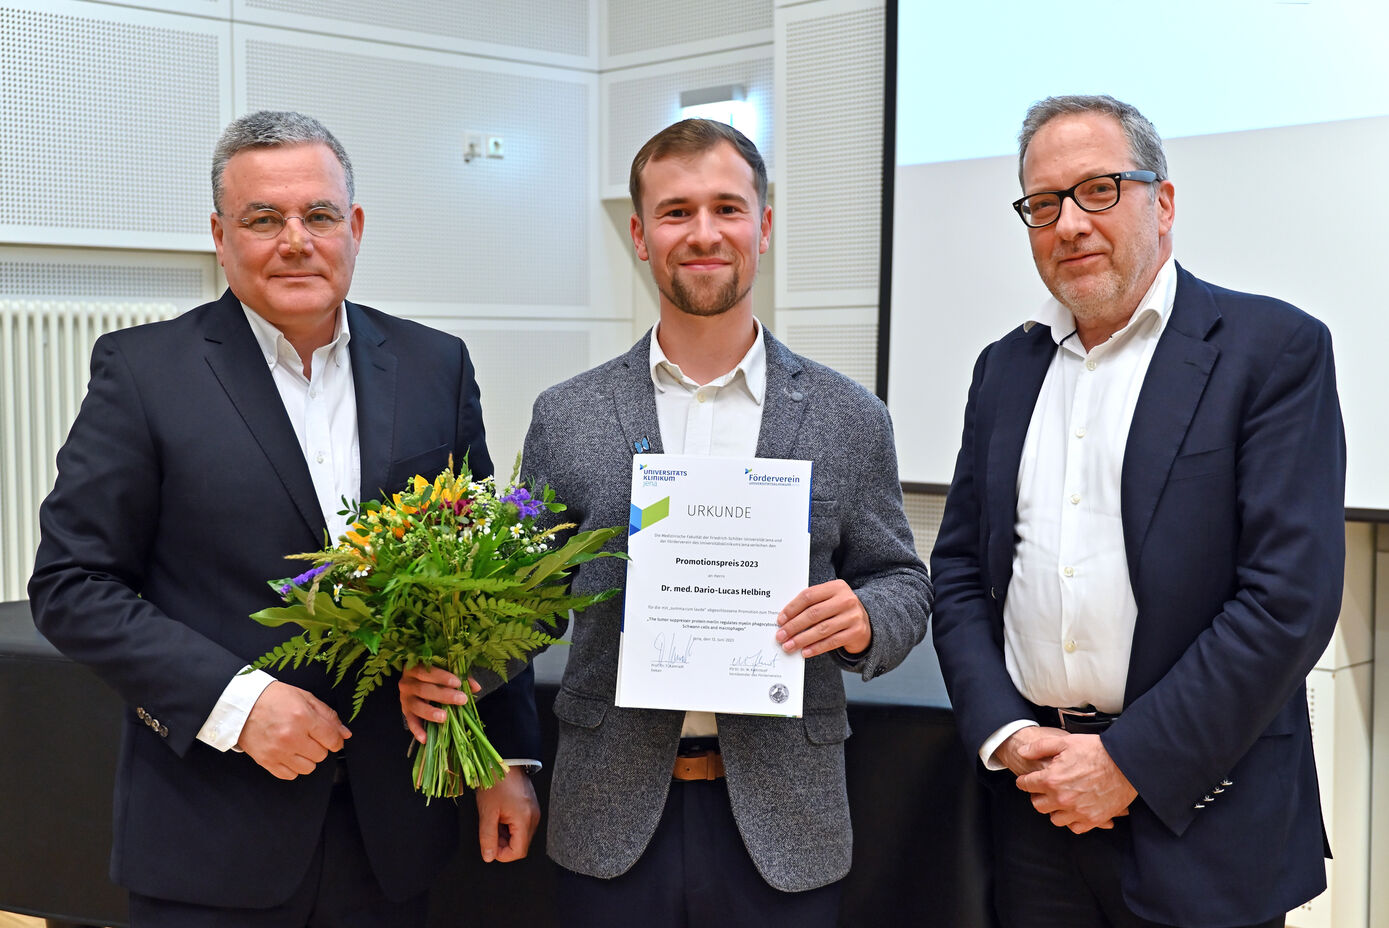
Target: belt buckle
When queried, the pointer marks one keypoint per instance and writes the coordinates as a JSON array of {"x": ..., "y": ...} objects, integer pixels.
[{"x": 1083, "y": 715}]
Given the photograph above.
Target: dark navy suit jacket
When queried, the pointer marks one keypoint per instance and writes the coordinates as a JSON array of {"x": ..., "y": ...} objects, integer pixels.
[
  {"x": 1232, "y": 501},
  {"x": 180, "y": 489}
]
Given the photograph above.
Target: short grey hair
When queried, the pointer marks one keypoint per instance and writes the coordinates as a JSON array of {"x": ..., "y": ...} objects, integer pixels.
[
  {"x": 1145, "y": 145},
  {"x": 271, "y": 129}
]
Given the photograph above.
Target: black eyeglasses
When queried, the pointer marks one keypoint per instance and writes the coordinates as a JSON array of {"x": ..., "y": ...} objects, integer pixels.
[{"x": 1094, "y": 195}]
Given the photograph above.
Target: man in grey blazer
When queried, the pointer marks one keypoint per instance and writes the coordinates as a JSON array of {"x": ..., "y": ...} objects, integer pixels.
[{"x": 662, "y": 817}]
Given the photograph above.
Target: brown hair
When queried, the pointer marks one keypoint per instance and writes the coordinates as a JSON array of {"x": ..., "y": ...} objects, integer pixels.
[{"x": 694, "y": 137}]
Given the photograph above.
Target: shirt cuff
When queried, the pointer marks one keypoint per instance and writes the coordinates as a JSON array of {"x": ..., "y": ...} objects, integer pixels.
[
  {"x": 222, "y": 730},
  {"x": 986, "y": 753},
  {"x": 527, "y": 765}
]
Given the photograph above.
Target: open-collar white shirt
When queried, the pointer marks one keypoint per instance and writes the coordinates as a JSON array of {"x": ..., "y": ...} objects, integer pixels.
[
  {"x": 1069, "y": 616},
  {"x": 323, "y": 410},
  {"x": 722, "y": 417}
]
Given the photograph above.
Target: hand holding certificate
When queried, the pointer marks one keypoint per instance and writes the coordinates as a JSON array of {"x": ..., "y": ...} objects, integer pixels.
[{"x": 718, "y": 546}]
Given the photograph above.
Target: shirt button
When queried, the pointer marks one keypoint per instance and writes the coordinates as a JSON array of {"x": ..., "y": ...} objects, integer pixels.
[
  {"x": 1070, "y": 646},
  {"x": 319, "y": 457},
  {"x": 1080, "y": 432},
  {"x": 1069, "y": 571},
  {"x": 1090, "y": 364},
  {"x": 1075, "y": 499},
  {"x": 701, "y": 396}
]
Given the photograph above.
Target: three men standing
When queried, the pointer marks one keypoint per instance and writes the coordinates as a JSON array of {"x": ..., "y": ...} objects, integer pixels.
[{"x": 1141, "y": 559}]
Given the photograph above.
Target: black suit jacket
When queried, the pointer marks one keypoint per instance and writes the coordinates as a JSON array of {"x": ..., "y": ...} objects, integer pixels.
[
  {"x": 1232, "y": 503},
  {"x": 180, "y": 489}
]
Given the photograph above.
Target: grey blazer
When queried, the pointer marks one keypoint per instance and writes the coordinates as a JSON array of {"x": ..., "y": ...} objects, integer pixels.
[{"x": 785, "y": 776}]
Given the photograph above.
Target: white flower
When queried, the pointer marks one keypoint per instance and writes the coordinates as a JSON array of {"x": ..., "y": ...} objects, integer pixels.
[{"x": 516, "y": 531}]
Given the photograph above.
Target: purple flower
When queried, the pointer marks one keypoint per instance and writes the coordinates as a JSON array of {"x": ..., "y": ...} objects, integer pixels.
[
  {"x": 306, "y": 577},
  {"x": 524, "y": 503}
]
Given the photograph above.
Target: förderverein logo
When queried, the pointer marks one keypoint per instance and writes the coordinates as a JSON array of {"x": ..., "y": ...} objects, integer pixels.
[{"x": 770, "y": 480}]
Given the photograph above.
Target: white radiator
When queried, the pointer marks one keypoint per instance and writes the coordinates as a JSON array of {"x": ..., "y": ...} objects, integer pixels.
[{"x": 45, "y": 349}]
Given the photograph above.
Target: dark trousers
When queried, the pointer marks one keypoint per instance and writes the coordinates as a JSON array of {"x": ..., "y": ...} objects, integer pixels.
[
  {"x": 1050, "y": 877},
  {"x": 696, "y": 872},
  {"x": 339, "y": 890}
]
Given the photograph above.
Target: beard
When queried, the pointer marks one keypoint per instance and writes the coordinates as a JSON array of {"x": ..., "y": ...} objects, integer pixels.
[
  {"x": 1106, "y": 297},
  {"x": 707, "y": 297}
]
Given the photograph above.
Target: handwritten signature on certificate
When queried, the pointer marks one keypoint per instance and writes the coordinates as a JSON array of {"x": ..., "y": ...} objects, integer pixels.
[
  {"x": 672, "y": 650},
  {"x": 754, "y": 662}
]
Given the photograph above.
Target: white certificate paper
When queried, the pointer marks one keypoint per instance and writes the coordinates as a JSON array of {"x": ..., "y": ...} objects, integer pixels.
[{"x": 718, "y": 546}]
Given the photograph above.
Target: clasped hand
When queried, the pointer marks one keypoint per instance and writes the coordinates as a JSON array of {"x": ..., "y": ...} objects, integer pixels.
[
  {"x": 1071, "y": 777},
  {"x": 290, "y": 731}
]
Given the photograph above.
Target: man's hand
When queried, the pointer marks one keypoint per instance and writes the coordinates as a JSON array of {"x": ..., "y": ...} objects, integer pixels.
[
  {"x": 507, "y": 816},
  {"x": 823, "y": 617},
  {"x": 289, "y": 731},
  {"x": 1008, "y": 753},
  {"x": 423, "y": 689},
  {"x": 1079, "y": 786}
]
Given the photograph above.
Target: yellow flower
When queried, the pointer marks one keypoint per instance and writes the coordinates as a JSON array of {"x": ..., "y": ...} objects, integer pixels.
[{"x": 419, "y": 483}]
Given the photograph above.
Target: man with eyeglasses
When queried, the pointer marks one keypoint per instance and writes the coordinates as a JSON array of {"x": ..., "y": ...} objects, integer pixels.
[
  {"x": 1140, "y": 560},
  {"x": 208, "y": 448}
]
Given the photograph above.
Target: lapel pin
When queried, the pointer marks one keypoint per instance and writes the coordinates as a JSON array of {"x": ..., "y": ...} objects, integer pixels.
[{"x": 641, "y": 446}]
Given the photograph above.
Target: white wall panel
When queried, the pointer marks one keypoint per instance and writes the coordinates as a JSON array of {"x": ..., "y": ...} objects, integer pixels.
[
  {"x": 639, "y": 102},
  {"x": 641, "y": 32},
  {"x": 110, "y": 115},
  {"x": 218, "y": 9},
  {"x": 517, "y": 359},
  {"x": 1339, "y": 703},
  {"x": 555, "y": 32},
  {"x": 1379, "y": 761},
  {"x": 829, "y": 130},
  {"x": 844, "y": 339},
  {"x": 514, "y": 231},
  {"x": 106, "y": 276}
]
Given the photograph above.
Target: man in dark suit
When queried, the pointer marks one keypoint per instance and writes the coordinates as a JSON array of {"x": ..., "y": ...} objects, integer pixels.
[
  {"x": 1140, "y": 560},
  {"x": 207, "y": 448}
]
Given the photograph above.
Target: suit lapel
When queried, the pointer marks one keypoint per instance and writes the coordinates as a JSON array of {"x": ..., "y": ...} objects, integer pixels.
[
  {"x": 1021, "y": 367},
  {"x": 374, "y": 382},
  {"x": 634, "y": 400},
  {"x": 785, "y": 401},
  {"x": 1176, "y": 378},
  {"x": 239, "y": 366}
]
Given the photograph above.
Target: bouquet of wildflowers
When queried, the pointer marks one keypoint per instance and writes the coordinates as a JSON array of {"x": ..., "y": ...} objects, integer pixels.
[{"x": 454, "y": 573}]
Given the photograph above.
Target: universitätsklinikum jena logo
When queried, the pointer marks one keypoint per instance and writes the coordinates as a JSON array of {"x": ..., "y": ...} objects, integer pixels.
[{"x": 645, "y": 518}]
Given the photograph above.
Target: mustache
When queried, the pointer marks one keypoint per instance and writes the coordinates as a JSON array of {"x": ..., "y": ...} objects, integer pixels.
[
  {"x": 687, "y": 253},
  {"x": 1062, "y": 253}
]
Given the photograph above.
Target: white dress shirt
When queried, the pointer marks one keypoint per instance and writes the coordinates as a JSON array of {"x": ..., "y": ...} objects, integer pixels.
[
  {"x": 1069, "y": 615},
  {"x": 323, "y": 410},
  {"x": 722, "y": 417}
]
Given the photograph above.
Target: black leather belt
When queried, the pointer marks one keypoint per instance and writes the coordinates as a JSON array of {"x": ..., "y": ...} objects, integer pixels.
[{"x": 1086, "y": 720}]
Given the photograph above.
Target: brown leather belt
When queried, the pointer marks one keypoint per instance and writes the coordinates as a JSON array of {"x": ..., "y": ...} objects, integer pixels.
[{"x": 701, "y": 765}]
